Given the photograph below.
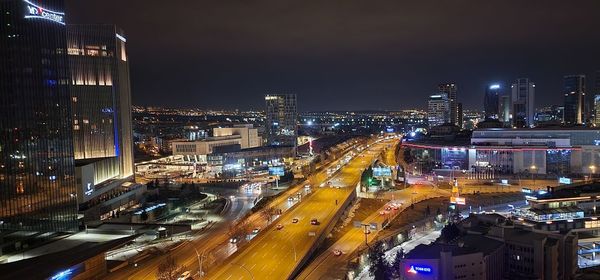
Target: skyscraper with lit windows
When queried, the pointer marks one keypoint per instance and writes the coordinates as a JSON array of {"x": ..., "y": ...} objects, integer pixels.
[
  {"x": 281, "y": 120},
  {"x": 574, "y": 92},
  {"x": 451, "y": 90},
  {"x": 523, "y": 98},
  {"x": 37, "y": 170}
]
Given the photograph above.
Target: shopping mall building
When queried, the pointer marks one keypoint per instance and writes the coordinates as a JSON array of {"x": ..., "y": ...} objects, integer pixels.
[{"x": 557, "y": 151}]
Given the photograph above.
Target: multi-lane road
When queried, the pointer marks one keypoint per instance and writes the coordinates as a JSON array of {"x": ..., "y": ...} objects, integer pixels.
[{"x": 276, "y": 253}]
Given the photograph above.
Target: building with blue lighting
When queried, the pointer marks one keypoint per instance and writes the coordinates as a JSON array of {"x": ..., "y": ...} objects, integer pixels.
[
  {"x": 491, "y": 101},
  {"x": 550, "y": 152},
  {"x": 66, "y": 147}
]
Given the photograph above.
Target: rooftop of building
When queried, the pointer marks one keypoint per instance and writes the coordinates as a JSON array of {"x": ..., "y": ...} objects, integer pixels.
[
  {"x": 571, "y": 191},
  {"x": 210, "y": 139},
  {"x": 45, "y": 266},
  {"x": 543, "y": 128},
  {"x": 466, "y": 244}
]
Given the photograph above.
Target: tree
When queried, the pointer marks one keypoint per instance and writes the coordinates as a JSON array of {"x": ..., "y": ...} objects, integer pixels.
[
  {"x": 169, "y": 269},
  {"x": 379, "y": 267},
  {"x": 396, "y": 265},
  {"x": 449, "y": 232},
  {"x": 268, "y": 213}
]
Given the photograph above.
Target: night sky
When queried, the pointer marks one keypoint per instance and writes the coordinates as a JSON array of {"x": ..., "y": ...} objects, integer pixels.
[{"x": 346, "y": 55}]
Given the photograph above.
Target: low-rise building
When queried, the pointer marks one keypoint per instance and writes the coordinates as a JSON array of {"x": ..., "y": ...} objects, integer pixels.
[{"x": 204, "y": 146}]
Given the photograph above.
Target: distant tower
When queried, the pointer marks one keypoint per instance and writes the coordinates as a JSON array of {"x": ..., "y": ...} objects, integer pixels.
[
  {"x": 597, "y": 98},
  {"x": 491, "y": 101},
  {"x": 574, "y": 91},
  {"x": 523, "y": 97},
  {"x": 450, "y": 90},
  {"x": 281, "y": 120},
  {"x": 504, "y": 110},
  {"x": 438, "y": 112}
]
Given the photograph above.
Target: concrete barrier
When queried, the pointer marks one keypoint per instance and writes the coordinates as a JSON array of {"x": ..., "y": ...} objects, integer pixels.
[{"x": 323, "y": 234}]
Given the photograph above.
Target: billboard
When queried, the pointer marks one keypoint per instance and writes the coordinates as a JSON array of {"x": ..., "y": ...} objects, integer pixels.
[
  {"x": 382, "y": 172},
  {"x": 564, "y": 180},
  {"x": 276, "y": 170},
  {"x": 458, "y": 200}
]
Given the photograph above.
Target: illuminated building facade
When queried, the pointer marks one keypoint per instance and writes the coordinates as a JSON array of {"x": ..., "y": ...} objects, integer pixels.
[
  {"x": 512, "y": 151},
  {"x": 66, "y": 99},
  {"x": 574, "y": 91},
  {"x": 102, "y": 125},
  {"x": 523, "y": 98},
  {"x": 438, "y": 109},
  {"x": 37, "y": 171},
  {"x": 491, "y": 102},
  {"x": 454, "y": 114},
  {"x": 281, "y": 120}
]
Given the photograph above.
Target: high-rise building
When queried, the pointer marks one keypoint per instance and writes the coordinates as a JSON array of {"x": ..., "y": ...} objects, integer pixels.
[
  {"x": 523, "y": 98},
  {"x": 460, "y": 115},
  {"x": 596, "y": 95},
  {"x": 37, "y": 171},
  {"x": 101, "y": 113},
  {"x": 438, "y": 112},
  {"x": 67, "y": 141},
  {"x": 504, "y": 110},
  {"x": 491, "y": 102},
  {"x": 281, "y": 120},
  {"x": 450, "y": 90},
  {"x": 574, "y": 91}
]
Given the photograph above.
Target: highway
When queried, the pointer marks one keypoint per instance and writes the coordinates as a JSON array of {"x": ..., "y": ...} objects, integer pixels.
[
  {"x": 327, "y": 262},
  {"x": 274, "y": 254},
  {"x": 213, "y": 246}
]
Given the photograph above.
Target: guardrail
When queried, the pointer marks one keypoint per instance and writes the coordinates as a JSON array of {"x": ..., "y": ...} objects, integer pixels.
[{"x": 321, "y": 237}]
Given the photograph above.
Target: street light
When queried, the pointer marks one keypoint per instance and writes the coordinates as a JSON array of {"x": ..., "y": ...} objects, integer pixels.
[
  {"x": 533, "y": 167},
  {"x": 243, "y": 267},
  {"x": 592, "y": 171}
]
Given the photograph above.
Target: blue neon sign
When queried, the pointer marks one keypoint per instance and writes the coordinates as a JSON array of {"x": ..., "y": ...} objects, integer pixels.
[
  {"x": 62, "y": 275},
  {"x": 419, "y": 269}
]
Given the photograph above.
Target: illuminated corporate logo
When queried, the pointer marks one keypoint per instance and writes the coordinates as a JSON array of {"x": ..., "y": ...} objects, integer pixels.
[
  {"x": 35, "y": 11},
  {"x": 65, "y": 274},
  {"x": 414, "y": 269}
]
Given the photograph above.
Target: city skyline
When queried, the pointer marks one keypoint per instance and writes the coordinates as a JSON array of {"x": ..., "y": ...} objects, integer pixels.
[{"x": 392, "y": 59}]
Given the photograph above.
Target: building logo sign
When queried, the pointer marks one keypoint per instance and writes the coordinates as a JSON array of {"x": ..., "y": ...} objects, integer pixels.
[
  {"x": 35, "y": 11},
  {"x": 89, "y": 190},
  {"x": 414, "y": 269}
]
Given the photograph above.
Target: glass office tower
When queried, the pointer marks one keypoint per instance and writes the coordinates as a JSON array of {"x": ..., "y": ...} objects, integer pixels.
[
  {"x": 101, "y": 99},
  {"x": 281, "y": 120},
  {"x": 37, "y": 184}
]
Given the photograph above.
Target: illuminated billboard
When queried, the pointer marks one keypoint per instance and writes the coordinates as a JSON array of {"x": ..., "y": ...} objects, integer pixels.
[
  {"x": 276, "y": 170},
  {"x": 382, "y": 172},
  {"x": 34, "y": 11}
]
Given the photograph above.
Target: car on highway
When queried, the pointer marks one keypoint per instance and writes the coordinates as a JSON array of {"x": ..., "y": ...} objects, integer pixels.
[
  {"x": 291, "y": 198},
  {"x": 295, "y": 220},
  {"x": 233, "y": 240},
  {"x": 256, "y": 230},
  {"x": 307, "y": 186},
  {"x": 387, "y": 208},
  {"x": 314, "y": 222},
  {"x": 279, "y": 227},
  {"x": 185, "y": 275},
  {"x": 337, "y": 252},
  {"x": 381, "y": 213}
]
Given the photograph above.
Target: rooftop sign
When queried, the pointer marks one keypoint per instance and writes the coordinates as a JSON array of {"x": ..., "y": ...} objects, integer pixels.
[{"x": 35, "y": 11}]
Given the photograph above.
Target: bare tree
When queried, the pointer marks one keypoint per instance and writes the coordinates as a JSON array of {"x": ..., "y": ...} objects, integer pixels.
[
  {"x": 268, "y": 213},
  {"x": 169, "y": 269}
]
